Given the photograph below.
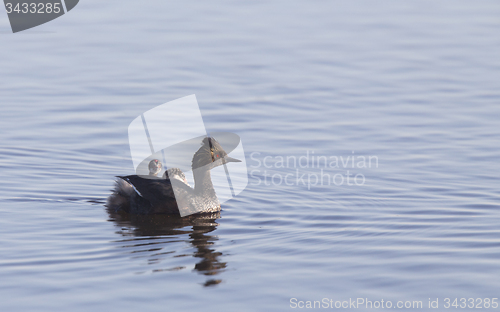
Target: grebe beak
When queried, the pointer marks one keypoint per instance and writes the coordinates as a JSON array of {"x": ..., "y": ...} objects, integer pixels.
[{"x": 230, "y": 159}]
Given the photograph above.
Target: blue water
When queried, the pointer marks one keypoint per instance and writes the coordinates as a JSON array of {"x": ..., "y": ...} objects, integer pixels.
[{"x": 414, "y": 85}]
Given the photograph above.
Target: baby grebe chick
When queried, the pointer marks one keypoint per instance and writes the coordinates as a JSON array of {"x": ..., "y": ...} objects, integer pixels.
[
  {"x": 138, "y": 195},
  {"x": 175, "y": 173},
  {"x": 154, "y": 167}
]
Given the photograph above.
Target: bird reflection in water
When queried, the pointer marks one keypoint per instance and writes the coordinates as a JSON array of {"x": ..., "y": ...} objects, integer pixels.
[{"x": 148, "y": 232}]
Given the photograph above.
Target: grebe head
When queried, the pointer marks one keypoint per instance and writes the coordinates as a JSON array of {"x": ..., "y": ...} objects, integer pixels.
[
  {"x": 154, "y": 167},
  {"x": 212, "y": 154}
]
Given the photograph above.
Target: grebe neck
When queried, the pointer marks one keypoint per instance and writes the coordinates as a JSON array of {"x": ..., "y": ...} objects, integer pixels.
[{"x": 203, "y": 183}]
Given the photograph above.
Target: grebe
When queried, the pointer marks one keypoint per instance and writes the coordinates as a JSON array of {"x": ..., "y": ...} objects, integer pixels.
[
  {"x": 175, "y": 173},
  {"x": 138, "y": 195},
  {"x": 154, "y": 167}
]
